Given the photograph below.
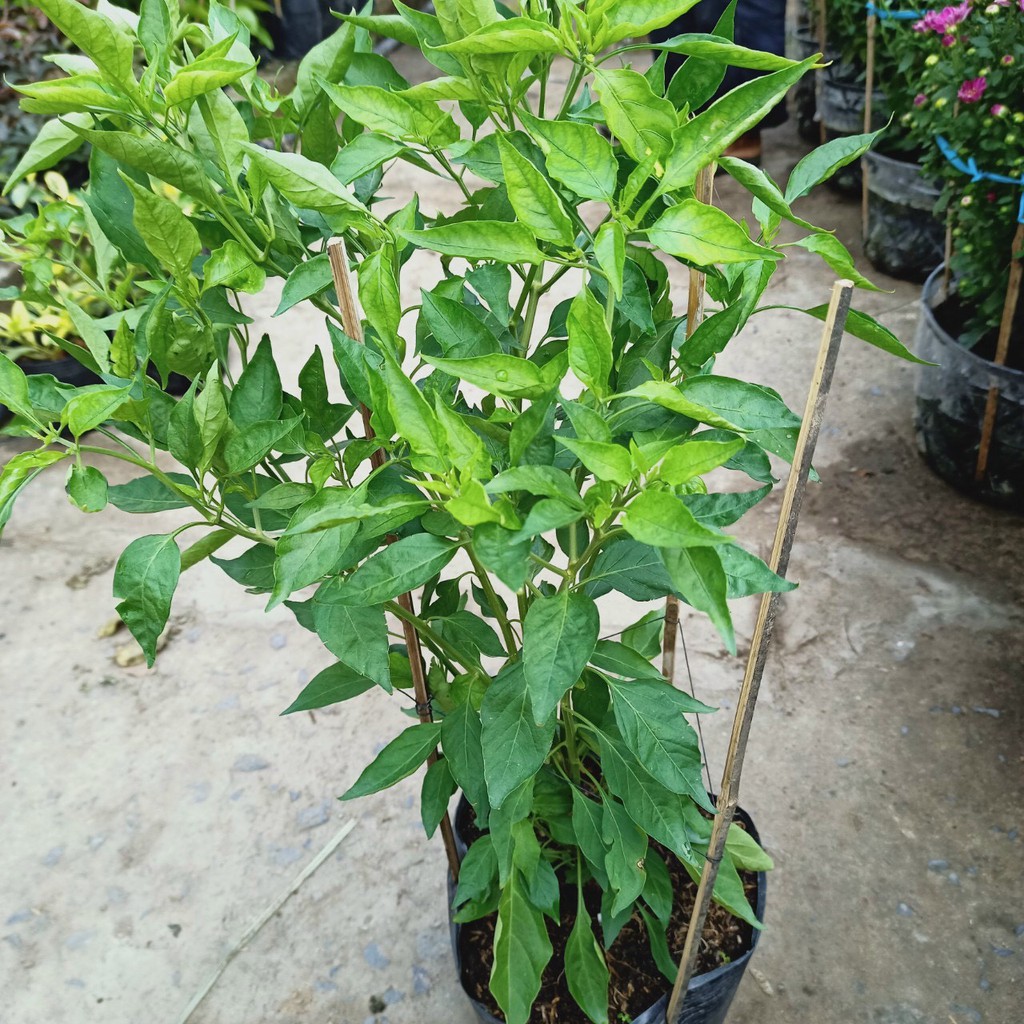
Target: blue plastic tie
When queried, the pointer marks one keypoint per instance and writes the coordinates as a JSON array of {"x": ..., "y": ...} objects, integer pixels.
[
  {"x": 970, "y": 167},
  {"x": 884, "y": 14}
]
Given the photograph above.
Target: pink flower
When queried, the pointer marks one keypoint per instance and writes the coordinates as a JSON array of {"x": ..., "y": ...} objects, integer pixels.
[
  {"x": 997, "y": 110},
  {"x": 942, "y": 21},
  {"x": 920, "y": 100},
  {"x": 973, "y": 89},
  {"x": 991, "y": 197},
  {"x": 949, "y": 40},
  {"x": 1007, "y": 59}
]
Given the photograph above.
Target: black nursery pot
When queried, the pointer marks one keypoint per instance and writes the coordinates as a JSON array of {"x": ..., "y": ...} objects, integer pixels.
[
  {"x": 951, "y": 400},
  {"x": 840, "y": 97},
  {"x": 708, "y": 996},
  {"x": 904, "y": 237}
]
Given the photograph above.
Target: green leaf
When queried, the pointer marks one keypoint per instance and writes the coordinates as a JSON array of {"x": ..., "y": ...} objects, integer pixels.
[
  {"x": 515, "y": 744},
  {"x": 703, "y": 139},
  {"x": 148, "y": 494},
  {"x": 655, "y": 810},
  {"x": 398, "y": 760},
  {"x": 378, "y": 293},
  {"x": 92, "y": 406},
  {"x": 302, "y": 556},
  {"x": 253, "y": 569},
  {"x": 626, "y": 848},
  {"x": 705, "y": 235},
  {"x": 301, "y": 181},
  {"x": 820, "y": 164},
  {"x": 745, "y": 852},
  {"x": 334, "y": 684},
  {"x": 577, "y": 156},
  {"x": 586, "y": 972},
  {"x": 609, "y": 462},
  {"x": 307, "y": 279},
  {"x": 56, "y": 140},
  {"x": 244, "y": 449},
  {"x": 195, "y": 80},
  {"x": 393, "y": 115},
  {"x": 706, "y": 46},
  {"x": 543, "y": 481},
  {"x": 504, "y": 552},
  {"x": 661, "y": 520},
  {"x": 14, "y": 388},
  {"x": 633, "y": 569},
  {"x": 535, "y": 202},
  {"x": 522, "y": 950},
  {"x": 480, "y": 240},
  {"x": 645, "y": 635},
  {"x": 625, "y": 19},
  {"x": 590, "y": 343},
  {"x": 438, "y": 788},
  {"x": 511, "y": 35},
  {"x": 87, "y": 488},
  {"x": 640, "y": 120},
  {"x": 211, "y": 413},
  {"x": 866, "y": 328},
  {"x": 586, "y": 824},
  {"x": 747, "y": 406},
  {"x": 559, "y": 634},
  {"x": 759, "y": 185},
  {"x": 231, "y": 266},
  {"x": 723, "y": 509},
  {"x": 650, "y": 718},
  {"x": 621, "y": 660},
  {"x": 327, "y": 61},
  {"x": 695, "y": 458},
  {"x": 610, "y": 251},
  {"x": 96, "y": 339},
  {"x": 461, "y": 733},
  {"x": 460, "y": 334},
  {"x": 414, "y": 418},
  {"x": 498, "y": 374},
  {"x": 356, "y": 636},
  {"x": 365, "y": 153},
  {"x": 658, "y": 894},
  {"x": 145, "y": 579},
  {"x": 96, "y": 36},
  {"x": 257, "y": 396},
  {"x": 837, "y": 256},
  {"x": 397, "y": 569},
  {"x": 18, "y": 471},
  {"x": 747, "y": 574},
  {"x": 177, "y": 167},
  {"x": 698, "y": 574}
]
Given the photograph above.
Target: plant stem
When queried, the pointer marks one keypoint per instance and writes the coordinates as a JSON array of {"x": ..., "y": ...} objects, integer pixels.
[
  {"x": 429, "y": 636},
  {"x": 511, "y": 643},
  {"x": 572, "y": 751}
]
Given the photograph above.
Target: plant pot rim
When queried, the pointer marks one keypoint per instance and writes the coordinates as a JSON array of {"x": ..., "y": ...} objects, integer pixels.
[{"x": 928, "y": 294}]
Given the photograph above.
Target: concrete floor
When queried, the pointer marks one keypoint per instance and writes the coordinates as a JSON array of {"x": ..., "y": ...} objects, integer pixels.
[{"x": 151, "y": 816}]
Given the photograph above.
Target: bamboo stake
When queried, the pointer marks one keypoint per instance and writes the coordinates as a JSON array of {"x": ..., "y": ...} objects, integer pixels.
[
  {"x": 1002, "y": 347},
  {"x": 703, "y": 189},
  {"x": 352, "y": 324},
  {"x": 869, "y": 88},
  {"x": 728, "y": 797}
]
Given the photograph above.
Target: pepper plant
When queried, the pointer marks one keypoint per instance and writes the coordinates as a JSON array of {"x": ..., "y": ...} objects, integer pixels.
[{"x": 533, "y": 456}]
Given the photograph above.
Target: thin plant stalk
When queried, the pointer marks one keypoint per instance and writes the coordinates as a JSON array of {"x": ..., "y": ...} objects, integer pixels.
[
  {"x": 728, "y": 797},
  {"x": 353, "y": 327},
  {"x": 1002, "y": 348},
  {"x": 703, "y": 190}
]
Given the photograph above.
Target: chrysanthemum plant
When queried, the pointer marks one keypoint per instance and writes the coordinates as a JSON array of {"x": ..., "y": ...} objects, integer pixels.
[
  {"x": 964, "y": 69},
  {"x": 533, "y": 456}
]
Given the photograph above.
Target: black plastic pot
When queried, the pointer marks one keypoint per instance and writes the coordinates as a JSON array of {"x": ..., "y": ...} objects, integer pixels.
[
  {"x": 708, "y": 996},
  {"x": 904, "y": 237},
  {"x": 805, "y": 102},
  {"x": 950, "y": 410}
]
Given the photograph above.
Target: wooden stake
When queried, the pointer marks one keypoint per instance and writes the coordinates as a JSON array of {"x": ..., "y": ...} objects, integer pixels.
[
  {"x": 1002, "y": 347},
  {"x": 869, "y": 88},
  {"x": 728, "y": 797},
  {"x": 353, "y": 327},
  {"x": 703, "y": 190}
]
